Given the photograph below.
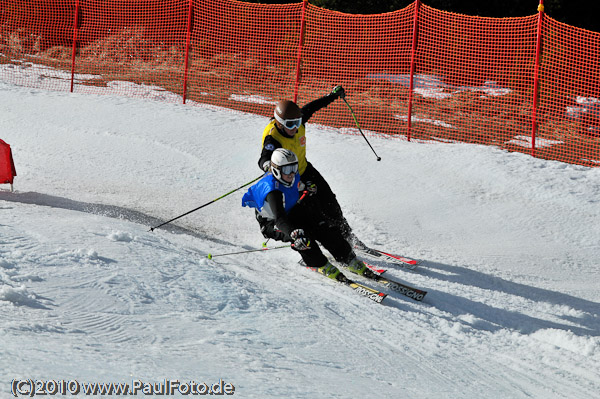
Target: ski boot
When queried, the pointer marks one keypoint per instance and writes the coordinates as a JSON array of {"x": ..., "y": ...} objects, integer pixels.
[
  {"x": 358, "y": 267},
  {"x": 330, "y": 271}
]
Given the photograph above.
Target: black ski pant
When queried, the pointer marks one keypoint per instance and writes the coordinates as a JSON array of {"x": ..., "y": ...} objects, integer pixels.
[
  {"x": 307, "y": 215},
  {"x": 326, "y": 201},
  {"x": 318, "y": 229}
]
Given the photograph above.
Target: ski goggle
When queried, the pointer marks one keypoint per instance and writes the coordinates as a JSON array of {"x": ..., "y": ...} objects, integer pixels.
[
  {"x": 289, "y": 123},
  {"x": 289, "y": 169}
]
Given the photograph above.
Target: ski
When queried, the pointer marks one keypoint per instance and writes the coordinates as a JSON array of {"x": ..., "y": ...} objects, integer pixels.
[
  {"x": 370, "y": 293},
  {"x": 375, "y": 273},
  {"x": 375, "y": 269},
  {"x": 376, "y": 254}
]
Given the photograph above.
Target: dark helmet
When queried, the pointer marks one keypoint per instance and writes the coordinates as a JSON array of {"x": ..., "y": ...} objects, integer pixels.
[{"x": 288, "y": 114}]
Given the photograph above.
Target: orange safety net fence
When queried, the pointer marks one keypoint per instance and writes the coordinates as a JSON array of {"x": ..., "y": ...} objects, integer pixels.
[{"x": 527, "y": 84}]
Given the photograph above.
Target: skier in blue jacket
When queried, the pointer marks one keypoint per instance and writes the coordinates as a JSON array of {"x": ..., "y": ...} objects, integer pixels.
[
  {"x": 287, "y": 130},
  {"x": 283, "y": 209}
]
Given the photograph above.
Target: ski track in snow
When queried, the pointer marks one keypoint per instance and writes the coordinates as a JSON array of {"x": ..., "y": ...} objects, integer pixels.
[{"x": 509, "y": 247}]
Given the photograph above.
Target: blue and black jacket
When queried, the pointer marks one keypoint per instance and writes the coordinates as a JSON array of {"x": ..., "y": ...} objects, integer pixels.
[{"x": 273, "y": 202}]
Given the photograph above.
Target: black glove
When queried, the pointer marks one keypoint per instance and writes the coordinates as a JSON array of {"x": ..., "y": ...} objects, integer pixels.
[
  {"x": 310, "y": 187},
  {"x": 301, "y": 242},
  {"x": 339, "y": 91}
]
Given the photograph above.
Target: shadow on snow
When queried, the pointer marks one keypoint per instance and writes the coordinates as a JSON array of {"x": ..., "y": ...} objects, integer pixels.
[{"x": 493, "y": 318}]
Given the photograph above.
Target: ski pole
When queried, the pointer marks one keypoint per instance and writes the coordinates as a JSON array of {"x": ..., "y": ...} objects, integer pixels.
[
  {"x": 359, "y": 129},
  {"x": 208, "y": 203},
  {"x": 210, "y": 256}
]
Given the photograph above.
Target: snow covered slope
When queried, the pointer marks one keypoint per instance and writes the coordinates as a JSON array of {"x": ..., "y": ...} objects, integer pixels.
[{"x": 509, "y": 243}]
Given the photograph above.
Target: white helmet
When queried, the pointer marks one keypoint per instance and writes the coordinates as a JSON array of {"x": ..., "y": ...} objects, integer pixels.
[{"x": 284, "y": 162}]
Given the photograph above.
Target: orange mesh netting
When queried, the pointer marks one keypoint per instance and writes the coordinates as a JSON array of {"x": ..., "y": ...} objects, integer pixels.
[{"x": 416, "y": 73}]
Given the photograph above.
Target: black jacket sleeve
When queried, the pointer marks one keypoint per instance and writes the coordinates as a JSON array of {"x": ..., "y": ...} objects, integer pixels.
[
  {"x": 269, "y": 145},
  {"x": 309, "y": 109},
  {"x": 282, "y": 222}
]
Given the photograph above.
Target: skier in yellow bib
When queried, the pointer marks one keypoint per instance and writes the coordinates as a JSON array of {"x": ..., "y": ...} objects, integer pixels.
[{"x": 287, "y": 130}]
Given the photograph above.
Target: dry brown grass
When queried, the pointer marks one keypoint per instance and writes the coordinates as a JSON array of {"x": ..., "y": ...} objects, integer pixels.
[{"x": 467, "y": 116}]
